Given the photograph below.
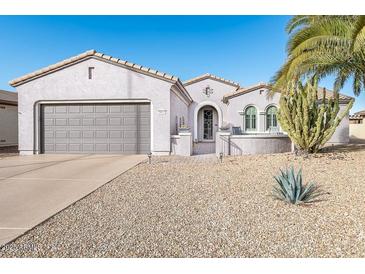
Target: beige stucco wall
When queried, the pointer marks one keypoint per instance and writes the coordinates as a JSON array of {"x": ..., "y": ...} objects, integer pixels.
[
  {"x": 178, "y": 111},
  {"x": 357, "y": 133},
  {"x": 8, "y": 125},
  {"x": 109, "y": 82}
]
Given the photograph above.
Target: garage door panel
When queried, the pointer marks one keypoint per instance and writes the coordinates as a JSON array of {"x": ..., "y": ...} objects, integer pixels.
[
  {"x": 87, "y": 134},
  {"x": 61, "y": 122},
  {"x": 117, "y": 121},
  {"x": 129, "y": 121},
  {"x": 61, "y": 134},
  {"x": 116, "y": 141},
  {"x": 60, "y": 109},
  {"x": 87, "y": 109},
  {"x": 115, "y": 109},
  {"x": 74, "y": 122},
  {"x": 61, "y": 147},
  {"x": 49, "y": 147},
  {"x": 115, "y": 134},
  {"x": 96, "y": 128},
  {"x": 129, "y": 108},
  {"x": 144, "y": 147},
  {"x": 101, "y": 121},
  {"x": 101, "y": 141},
  {"x": 88, "y": 147},
  {"x": 49, "y": 134},
  {"x": 74, "y": 109},
  {"x": 144, "y": 134},
  {"x": 49, "y": 141},
  {"x": 88, "y": 122},
  {"x": 48, "y": 109},
  {"x": 75, "y": 147},
  {"x": 129, "y": 147},
  {"x": 130, "y": 134},
  {"x": 75, "y": 133},
  {"x": 101, "y": 147},
  {"x": 116, "y": 147},
  {"x": 144, "y": 121},
  {"x": 101, "y": 134},
  {"x": 48, "y": 122},
  {"x": 101, "y": 109}
]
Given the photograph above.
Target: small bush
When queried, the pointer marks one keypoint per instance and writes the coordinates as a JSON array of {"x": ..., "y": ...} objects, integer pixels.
[{"x": 292, "y": 190}]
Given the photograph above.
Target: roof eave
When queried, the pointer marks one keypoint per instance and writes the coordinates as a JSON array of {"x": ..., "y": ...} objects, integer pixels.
[
  {"x": 210, "y": 76},
  {"x": 183, "y": 90},
  {"x": 96, "y": 55},
  {"x": 237, "y": 93}
]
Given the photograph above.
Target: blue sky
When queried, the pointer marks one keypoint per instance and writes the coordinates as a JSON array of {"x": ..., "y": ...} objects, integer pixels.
[{"x": 245, "y": 49}]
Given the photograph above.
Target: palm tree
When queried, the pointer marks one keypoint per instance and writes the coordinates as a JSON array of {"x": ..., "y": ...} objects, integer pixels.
[{"x": 324, "y": 45}]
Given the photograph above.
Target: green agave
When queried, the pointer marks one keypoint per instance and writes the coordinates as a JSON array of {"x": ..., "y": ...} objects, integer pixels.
[{"x": 292, "y": 190}]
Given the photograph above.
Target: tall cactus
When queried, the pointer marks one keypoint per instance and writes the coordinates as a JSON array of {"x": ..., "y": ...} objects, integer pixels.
[{"x": 310, "y": 122}]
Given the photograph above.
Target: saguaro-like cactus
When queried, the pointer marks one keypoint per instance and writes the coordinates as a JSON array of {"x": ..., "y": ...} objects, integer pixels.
[{"x": 309, "y": 121}]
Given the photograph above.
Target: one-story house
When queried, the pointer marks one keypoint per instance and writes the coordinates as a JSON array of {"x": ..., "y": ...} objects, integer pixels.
[
  {"x": 96, "y": 103},
  {"x": 8, "y": 118},
  {"x": 357, "y": 127},
  {"x": 357, "y": 117}
]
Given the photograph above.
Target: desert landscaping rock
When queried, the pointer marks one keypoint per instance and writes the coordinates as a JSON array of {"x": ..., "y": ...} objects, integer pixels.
[{"x": 198, "y": 207}]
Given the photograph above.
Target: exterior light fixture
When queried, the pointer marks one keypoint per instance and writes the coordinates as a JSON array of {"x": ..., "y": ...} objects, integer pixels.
[
  {"x": 207, "y": 91},
  {"x": 221, "y": 157},
  {"x": 149, "y": 157}
]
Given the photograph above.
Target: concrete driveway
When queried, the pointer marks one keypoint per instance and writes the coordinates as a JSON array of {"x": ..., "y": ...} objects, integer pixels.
[{"x": 33, "y": 188}]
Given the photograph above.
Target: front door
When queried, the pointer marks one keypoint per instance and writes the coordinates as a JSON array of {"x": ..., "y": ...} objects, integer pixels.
[{"x": 208, "y": 124}]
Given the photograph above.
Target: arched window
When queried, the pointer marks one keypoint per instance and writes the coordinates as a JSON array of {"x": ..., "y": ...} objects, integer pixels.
[
  {"x": 250, "y": 119},
  {"x": 271, "y": 118}
]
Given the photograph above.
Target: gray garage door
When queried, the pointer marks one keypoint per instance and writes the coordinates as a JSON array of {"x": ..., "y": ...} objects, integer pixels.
[{"x": 95, "y": 128}]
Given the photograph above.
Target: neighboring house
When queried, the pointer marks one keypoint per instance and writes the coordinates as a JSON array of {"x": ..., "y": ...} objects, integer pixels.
[
  {"x": 8, "y": 118},
  {"x": 357, "y": 117},
  {"x": 357, "y": 127},
  {"x": 95, "y": 103}
]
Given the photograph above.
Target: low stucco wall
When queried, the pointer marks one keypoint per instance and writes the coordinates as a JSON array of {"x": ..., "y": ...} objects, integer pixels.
[
  {"x": 182, "y": 144},
  {"x": 252, "y": 144},
  {"x": 357, "y": 133}
]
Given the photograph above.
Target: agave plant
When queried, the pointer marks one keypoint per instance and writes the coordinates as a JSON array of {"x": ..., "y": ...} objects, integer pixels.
[{"x": 292, "y": 190}]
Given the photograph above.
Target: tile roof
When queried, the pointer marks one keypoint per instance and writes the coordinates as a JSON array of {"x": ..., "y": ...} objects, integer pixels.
[
  {"x": 329, "y": 94},
  {"x": 241, "y": 91},
  {"x": 360, "y": 113},
  {"x": 8, "y": 97},
  {"x": 210, "y": 76},
  {"x": 95, "y": 54}
]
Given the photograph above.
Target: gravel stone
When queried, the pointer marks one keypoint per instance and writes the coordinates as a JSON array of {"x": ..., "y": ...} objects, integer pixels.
[{"x": 199, "y": 207}]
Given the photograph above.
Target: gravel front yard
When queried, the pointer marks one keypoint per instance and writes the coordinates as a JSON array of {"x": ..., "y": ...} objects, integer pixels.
[{"x": 197, "y": 207}]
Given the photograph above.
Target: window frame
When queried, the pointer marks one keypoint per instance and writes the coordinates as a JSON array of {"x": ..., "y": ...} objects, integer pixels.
[
  {"x": 250, "y": 119},
  {"x": 271, "y": 118}
]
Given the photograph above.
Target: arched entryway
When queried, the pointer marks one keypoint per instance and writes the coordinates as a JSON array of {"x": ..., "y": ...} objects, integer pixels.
[{"x": 207, "y": 120}]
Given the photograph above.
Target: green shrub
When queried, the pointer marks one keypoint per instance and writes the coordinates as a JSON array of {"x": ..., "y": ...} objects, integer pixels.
[{"x": 292, "y": 190}]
